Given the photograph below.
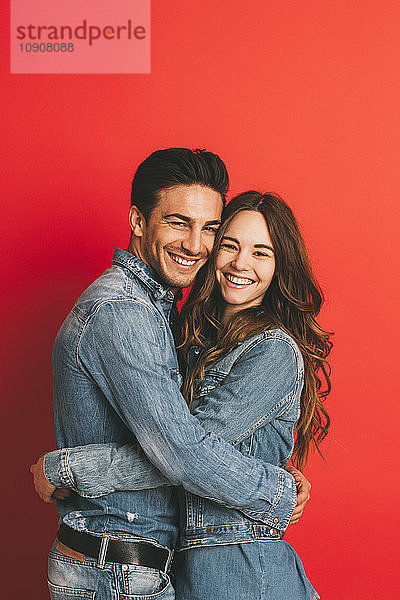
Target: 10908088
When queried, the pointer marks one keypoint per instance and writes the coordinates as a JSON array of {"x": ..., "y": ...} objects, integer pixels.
[{"x": 47, "y": 47}]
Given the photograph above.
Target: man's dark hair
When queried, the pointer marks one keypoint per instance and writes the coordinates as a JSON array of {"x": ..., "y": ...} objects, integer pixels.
[{"x": 167, "y": 168}]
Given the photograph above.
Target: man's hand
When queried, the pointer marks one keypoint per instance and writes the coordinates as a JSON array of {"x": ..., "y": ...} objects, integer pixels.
[
  {"x": 46, "y": 490},
  {"x": 303, "y": 493}
]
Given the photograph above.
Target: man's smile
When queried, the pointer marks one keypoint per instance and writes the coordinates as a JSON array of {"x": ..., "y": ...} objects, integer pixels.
[{"x": 186, "y": 262}]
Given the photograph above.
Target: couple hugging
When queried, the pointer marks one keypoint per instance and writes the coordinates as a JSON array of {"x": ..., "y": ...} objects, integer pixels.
[{"x": 174, "y": 429}]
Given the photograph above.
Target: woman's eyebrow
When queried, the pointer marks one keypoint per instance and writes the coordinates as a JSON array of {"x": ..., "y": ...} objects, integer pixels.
[
  {"x": 263, "y": 246},
  {"x": 232, "y": 239},
  {"x": 227, "y": 237}
]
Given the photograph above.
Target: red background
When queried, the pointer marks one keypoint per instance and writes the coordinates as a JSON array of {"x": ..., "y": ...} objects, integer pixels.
[{"x": 301, "y": 98}]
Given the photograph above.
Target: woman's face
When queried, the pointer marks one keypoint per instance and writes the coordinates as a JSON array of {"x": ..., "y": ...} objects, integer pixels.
[{"x": 245, "y": 261}]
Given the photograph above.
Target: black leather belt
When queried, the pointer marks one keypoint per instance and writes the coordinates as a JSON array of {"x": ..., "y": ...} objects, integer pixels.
[{"x": 106, "y": 550}]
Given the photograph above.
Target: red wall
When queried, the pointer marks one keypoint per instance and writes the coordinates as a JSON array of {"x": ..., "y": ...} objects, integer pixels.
[{"x": 298, "y": 97}]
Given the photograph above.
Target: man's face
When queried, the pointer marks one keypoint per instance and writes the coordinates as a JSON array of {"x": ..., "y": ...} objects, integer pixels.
[{"x": 180, "y": 233}]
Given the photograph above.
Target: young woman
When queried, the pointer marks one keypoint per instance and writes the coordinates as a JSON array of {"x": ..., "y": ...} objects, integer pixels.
[
  {"x": 256, "y": 376},
  {"x": 256, "y": 357}
]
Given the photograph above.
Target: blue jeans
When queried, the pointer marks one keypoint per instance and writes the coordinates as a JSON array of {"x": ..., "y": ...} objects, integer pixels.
[
  {"x": 73, "y": 579},
  {"x": 251, "y": 571}
]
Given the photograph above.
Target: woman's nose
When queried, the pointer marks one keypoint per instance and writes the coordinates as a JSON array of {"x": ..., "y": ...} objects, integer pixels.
[{"x": 241, "y": 262}]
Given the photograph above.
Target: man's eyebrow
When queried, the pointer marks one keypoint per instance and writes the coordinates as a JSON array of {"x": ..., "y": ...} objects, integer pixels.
[
  {"x": 178, "y": 216},
  {"x": 232, "y": 239},
  {"x": 189, "y": 219},
  {"x": 215, "y": 222}
]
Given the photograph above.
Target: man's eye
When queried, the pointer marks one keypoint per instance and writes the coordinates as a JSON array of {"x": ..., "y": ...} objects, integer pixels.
[
  {"x": 212, "y": 230},
  {"x": 180, "y": 224}
]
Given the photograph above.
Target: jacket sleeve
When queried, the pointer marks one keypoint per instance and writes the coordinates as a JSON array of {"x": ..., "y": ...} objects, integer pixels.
[{"x": 135, "y": 380}]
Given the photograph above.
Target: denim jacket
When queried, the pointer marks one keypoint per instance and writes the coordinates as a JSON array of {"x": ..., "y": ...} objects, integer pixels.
[
  {"x": 116, "y": 382},
  {"x": 252, "y": 398}
]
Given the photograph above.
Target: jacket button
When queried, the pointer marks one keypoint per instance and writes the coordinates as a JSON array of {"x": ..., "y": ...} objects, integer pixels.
[{"x": 272, "y": 531}]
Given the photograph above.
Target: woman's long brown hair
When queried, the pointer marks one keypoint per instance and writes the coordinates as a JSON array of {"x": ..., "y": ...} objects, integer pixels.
[{"x": 292, "y": 302}]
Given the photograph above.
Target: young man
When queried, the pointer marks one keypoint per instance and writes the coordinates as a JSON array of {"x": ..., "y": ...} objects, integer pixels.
[{"x": 116, "y": 380}]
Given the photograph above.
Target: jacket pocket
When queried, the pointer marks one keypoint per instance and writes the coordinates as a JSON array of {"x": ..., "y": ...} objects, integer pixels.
[{"x": 210, "y": 381}]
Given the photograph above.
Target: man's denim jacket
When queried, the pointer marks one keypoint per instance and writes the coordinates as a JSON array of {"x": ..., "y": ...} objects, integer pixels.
[{"x": 116, "y": 382}]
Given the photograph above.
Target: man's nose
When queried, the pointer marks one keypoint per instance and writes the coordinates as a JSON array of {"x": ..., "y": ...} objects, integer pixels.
[{"x": 192, "y": 243}]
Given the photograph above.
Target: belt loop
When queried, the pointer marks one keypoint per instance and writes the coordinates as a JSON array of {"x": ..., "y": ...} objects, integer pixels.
[
  {"x": 169, "y": 560},
  {"x": 103, "y": 551}
]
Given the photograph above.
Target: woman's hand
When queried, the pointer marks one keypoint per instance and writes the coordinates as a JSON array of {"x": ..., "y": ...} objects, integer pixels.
[{"x": 303, "y": 493}]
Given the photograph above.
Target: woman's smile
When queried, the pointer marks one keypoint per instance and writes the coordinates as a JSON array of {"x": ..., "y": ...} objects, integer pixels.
[{"x": 237, "y": 281}]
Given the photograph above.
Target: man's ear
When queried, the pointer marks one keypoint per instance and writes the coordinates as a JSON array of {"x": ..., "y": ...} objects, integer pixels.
[{"x": 137, "y": 221}]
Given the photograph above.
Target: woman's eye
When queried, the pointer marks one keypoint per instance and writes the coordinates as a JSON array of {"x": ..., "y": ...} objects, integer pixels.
[
  {"x": 228, "y": 246},
  {"x": 263, "y": 255}
]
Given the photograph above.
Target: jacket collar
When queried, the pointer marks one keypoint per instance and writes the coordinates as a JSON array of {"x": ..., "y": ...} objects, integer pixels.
[{"x": 146, "y": 274}]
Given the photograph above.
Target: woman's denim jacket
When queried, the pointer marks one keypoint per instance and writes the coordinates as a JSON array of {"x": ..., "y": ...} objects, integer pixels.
[{"x": 251, "y": 398}]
